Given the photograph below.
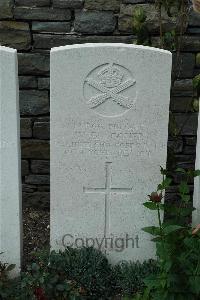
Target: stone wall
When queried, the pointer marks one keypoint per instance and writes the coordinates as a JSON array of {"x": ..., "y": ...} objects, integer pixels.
[{"x": 34, "y": 26}]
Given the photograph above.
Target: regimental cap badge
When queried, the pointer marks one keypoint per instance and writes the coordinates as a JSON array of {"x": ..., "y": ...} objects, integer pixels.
[{"x": 110, "y": 76}]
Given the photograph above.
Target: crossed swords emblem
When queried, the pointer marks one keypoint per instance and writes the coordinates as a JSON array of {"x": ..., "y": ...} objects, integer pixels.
[{"x": 110, "y": 93}]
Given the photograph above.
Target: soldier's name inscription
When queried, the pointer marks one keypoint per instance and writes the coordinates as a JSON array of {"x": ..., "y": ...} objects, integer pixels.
[{"x": 120, "y": 139}]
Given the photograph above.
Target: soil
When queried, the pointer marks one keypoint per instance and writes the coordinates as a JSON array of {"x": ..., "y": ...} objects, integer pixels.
[{"x": 36, "y": 231}]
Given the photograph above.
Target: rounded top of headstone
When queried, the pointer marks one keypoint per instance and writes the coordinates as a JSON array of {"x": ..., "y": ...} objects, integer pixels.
[
  {"x": 107, "y": 45},
  {"x": 6, "y": 49}
]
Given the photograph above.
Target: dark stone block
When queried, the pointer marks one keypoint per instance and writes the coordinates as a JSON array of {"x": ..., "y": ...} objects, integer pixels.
[
  {"x": 37, "y": 179},
  {"x": 190, "y": 140},
  {"x": 94, "y": 22},
  {"x": 44, "y": 83},
  {"x": 35, "y": 149},
  {"x": 187, "y": 123},
  {"x": 184, "y": 66},
  {"x": 33, "y": 63},
  {"x": 43, "y": 14},
  {"x": 183, "y": 88},
  {"x": 27, "y": 82},
  {"x": 44, "y": 188},
  {"x": 41, "y": 130},
  {"x": 40, "y": 166},
  {"x": 6, "y": 9},
  {"x": 134, "y": 1},
  {"x": 181, "y": 104},
  {"x": 34, "y": 3},
  {"x": 112, "y": 5},
  {"x": 51, "y": 27},
  {"x": 193, "y": 30},
  {"x": 36, "y": 199},
  {"x": 24, "y": 167},
  {"x": 190, "y": 44},
  {"x": 194, "y": 18},
  {"x": 27, "y": 188},
  {"x": 33, "y": 102},
  {"x": 26, "y": 127},
  {"x": 47, "y": 41},
  {"x": 185, "y": 161},
  {"x": 189, "y": 150},
  {"x": 68, "y": 3},
  {"x": 176, "y": 145},
  {"x": 15, "y": 34}
]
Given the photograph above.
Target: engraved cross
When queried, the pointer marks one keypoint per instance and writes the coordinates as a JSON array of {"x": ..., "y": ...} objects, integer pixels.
[{"x": 107, "y": 191}]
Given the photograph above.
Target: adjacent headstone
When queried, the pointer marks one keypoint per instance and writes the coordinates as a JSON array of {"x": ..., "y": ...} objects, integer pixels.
[
  {"x": 109, "y": 129},
  {"x": 196, "y": 196},
  {"x": 10, "y": 186}
]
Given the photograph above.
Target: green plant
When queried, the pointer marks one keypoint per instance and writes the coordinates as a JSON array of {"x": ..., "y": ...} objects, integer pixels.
[
  {"x": 5, "y": 283},
  {"x": 75, "y": 274},
  {"x": 196, "y": 83},
  {"x": 140, "y": 27},
  {"x": 177, "y": 244},
  {"x": 130, "y": 276}
]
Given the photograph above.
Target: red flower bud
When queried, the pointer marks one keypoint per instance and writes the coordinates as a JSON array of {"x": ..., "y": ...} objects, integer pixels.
[{"x": 155, "y": 197}]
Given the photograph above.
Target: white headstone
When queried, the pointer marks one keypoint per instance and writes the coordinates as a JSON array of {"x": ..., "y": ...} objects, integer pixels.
[
  {"x": 10, "y": 177},
  {"x": 196, "y": 196},
  {"x": 109, "y": 128}
]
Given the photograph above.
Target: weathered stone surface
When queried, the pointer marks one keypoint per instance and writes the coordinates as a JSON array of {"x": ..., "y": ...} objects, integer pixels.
[
  {"x": 44, "y": 83},
  {"x": 36, "y": 199},
  {"x": 68, "y": 3},
  {"x": 48, "y": 41},
  {"x": 102, "y": 4},
  {"x": 33, "y": 63},
  {"x": 176, "y": 145},
  {"x": 43, "y": 14},
  {"x": 24, "y": 167},
  {"x": 198, "y": 60},
  {"x": 194, "y": 18},
  {"x": 51, "y": 26},
  {"x": 35, "y": 3},
  {"x": 40, "y": 166},
  {"x": 26, "y": 127},
  {"x": 90, "y": 22},
  {"x": 35, "y": 149},
  {"x": 125, "y": 23},
  {"x": 10, "y": 190},
  {"x": 134, "y": 1},
  {"x": 189, "y": 150},
  {"x": 33, "y": 102},
  {"x": 15, "y": 34},
  {"x": 6, "y": 9},
  {"x": 44, "y": 188},
  {"x": 101, "y": 142},
  {"x": 183, "y": 88},
  {"x": 185, "y": 161},
  {"x": 41, "y": 130},
  {"x": 29, "y": 188},
  {"x": 37, "y": 179},
  {"x": 181, "y": 104},
  {"x": 185, "y": 65},
  {"x": 28, "y": 82},
  {"x": 193, "y": 30},
  {"x": 190, "y": 140},
  {"x": 187, "y": 123},
  {"x": 190, "y": 44}
]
